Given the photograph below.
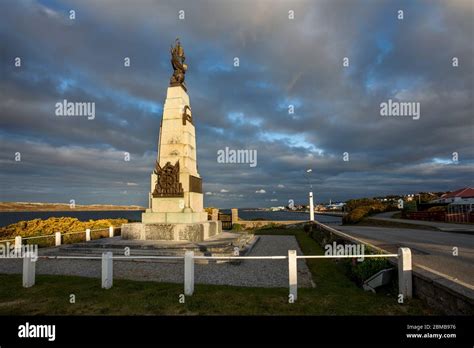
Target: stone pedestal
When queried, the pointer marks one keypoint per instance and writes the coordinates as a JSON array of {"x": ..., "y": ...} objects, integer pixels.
[
  {"x": 192, "y": 232},
  {"x": 174, "y": 217},
  {"x": 176, "y": 209}
]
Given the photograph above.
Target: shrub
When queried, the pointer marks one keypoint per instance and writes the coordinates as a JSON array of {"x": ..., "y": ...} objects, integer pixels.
[
  {"x": 356, "y": 215},
  {"x": 38, "y": 227},
  {"x": 237, "y": 227},
  {"x": 361, "y": 208},
  {"x": 361, "y": 271},
  {"x": 309, "y": 227},
  {"x": 356, "y": 203},
  {"x": 209, "y": 210}
]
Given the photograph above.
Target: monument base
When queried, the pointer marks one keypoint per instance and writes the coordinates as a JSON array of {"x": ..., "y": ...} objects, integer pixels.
[
  {"x": 173, "y": 217},
  {"x": 192, "y": 232}
]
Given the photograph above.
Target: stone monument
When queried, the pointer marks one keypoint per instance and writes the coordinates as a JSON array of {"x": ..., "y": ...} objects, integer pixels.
[{"x": 175, "y": 203}]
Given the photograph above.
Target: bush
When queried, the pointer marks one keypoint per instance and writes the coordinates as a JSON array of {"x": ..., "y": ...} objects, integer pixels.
[
  {"x": 209, "y": 210},
  {"x": 309, "y": 227},
  {"x": 356, "y": 203},
  {"x": 361, "y": 208},
  {"x": 237, "y": 227},
  {"x": 361, "y": 271},
  {"x": 38, "y": 227},
  {"x": 356, "y": 215}
]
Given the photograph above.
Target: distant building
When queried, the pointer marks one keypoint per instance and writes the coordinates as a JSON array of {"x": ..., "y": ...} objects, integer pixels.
[
  {"x": 320, "y": 207},
  {"x": 461, "y": 196},
  {"x": 277, "y": 208},
  {"x": 400, "y": 204},
  {"x": 460, "y": 205},
  {"x": 409, "y": 198},
  {"x": 335, "y": 206}
]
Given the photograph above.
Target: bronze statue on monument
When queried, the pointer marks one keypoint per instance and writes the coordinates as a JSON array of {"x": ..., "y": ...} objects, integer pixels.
[{"x": 177, "y": 62}]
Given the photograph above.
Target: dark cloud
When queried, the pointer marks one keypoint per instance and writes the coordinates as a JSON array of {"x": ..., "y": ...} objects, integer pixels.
[{"x": 282, "y": 62}]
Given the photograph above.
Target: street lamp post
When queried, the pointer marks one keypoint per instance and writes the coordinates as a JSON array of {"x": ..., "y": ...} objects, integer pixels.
[{"x": 311, "y": 203}]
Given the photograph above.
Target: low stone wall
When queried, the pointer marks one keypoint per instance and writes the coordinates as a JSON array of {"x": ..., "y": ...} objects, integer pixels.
[
  {"x": 438, "y": 292},
  {"x": 443, "y": 294}
]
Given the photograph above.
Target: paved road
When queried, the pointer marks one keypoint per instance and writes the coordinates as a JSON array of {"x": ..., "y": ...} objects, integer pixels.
[
  {"x": 433, "y": 249},
  {"x": 443, "y": 226}
]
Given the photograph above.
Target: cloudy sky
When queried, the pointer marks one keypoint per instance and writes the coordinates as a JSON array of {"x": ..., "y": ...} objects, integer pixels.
[{"x": 282, "y": 62}]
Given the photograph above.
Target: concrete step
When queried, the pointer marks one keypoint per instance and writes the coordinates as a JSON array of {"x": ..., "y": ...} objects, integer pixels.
[
  {"x": 99, "y": 251},
  {"x": 117, "y": 247}
]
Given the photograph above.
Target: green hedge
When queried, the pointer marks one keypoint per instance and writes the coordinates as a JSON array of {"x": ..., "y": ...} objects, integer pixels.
[
  {"x": 358, "y": 272},
  {"x": 361, "y": 271}
]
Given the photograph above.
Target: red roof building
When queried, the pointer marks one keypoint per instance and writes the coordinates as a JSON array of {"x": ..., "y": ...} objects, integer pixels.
[{"x": 464, "y": 194}]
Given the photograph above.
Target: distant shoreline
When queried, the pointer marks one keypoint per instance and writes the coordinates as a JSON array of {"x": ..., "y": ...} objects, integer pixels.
[{"x": 23, "y": 207}]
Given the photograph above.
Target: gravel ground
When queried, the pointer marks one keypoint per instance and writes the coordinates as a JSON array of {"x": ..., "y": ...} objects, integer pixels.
[{"x": 254, "y": 273}]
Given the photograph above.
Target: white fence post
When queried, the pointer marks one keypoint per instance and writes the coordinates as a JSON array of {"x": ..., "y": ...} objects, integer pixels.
[
  {"x": 189, "y": 273},
  {"x": 111, "y": 231},
  {"x": 57, "y": 237},
  {"x": 17, "y": 244},
  {"x": 404, "y": 272},
  {"x": 88, "y": 235},
  {"x": 107, "y": 270},
  {"x": 292, "y": 274},
  {"x": 29, "y": 268}
]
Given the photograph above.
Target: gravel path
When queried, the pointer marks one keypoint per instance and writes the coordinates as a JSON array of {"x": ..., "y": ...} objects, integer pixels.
[{"x": 254, "y": 273}]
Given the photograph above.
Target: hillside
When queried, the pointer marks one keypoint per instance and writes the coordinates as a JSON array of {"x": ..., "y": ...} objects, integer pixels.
[{"x": 32, "y": 206}]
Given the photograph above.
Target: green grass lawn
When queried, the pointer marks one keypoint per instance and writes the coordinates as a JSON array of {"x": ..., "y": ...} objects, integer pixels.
[{"x": 334, "y": 294}]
